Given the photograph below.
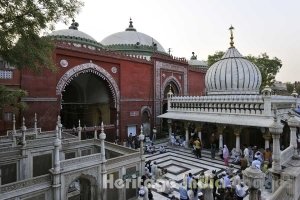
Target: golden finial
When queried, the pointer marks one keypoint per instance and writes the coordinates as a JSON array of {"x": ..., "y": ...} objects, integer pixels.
[{"x": 231, "y": 35}]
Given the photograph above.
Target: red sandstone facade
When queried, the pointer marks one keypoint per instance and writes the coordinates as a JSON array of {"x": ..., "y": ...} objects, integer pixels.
[{"x": 137, "y": 91}]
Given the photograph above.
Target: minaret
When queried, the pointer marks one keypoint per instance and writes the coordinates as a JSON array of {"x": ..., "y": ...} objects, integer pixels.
[
  {"x": 59, "y": 125},
  {"x": 102, "y": 137},
  {"x": 56, "y": 170},
  {"x": 142, "y": 137},
  {"x": 79, "y": 129},
  {"x": 35, "y": 124},
  {"x": 95, "y": 133},
  {"x": 23, "y": 128}
]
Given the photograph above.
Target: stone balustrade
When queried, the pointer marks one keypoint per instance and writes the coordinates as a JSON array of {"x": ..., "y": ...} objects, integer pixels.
[
  {"x": 125, "y": 158},
  {"x": 27, "y": 132},
  {"x": 252, "y": 104},
  {"x": 286, "y": 155},
  {"x": 282, "y": 192},
  {"x": 12, "y": 187},
  {"x": 75, "y": 162}
]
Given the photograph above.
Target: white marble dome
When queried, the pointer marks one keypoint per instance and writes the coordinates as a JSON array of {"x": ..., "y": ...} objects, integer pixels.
[
  {"x": 233, "y": 74},
  {"x": 131, "y": 37},
  {"x": 72, "y": 32}
]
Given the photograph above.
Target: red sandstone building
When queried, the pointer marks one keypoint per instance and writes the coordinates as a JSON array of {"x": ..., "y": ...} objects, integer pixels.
[{"x": 122, "y": 80}]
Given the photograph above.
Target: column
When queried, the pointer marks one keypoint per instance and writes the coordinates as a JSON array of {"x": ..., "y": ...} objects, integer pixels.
[
  {"x": 186, "y": 125},
  {"x": 254, "y": 179},
  {"x": 35, "y": 124},
  {"x": 198, "y": 131},
  {"x": 59, "y": 126},
  {"x": 170, "y": 128},
  {"x": 56, "y": 170},
  {"x": 79, "y": 129},
  {"x": 267, "y": 137},
  {"x": 142, "y": 166},
  {"x": 276, "y": 129},
  {"x": 293, "y": 124},
  {"x": 95, "y": 133},
  {"x": 102, "y": 137},
  {"x": 220, "y": 132},
  {"x": 24, "y": 162},
  {"x": 14, "y": 131},
  {"x": 237, "y": 132}
]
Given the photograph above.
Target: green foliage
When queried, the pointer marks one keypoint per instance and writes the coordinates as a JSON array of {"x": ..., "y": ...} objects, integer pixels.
[
  {"x": 214, "y": 58},
  {"x": 21, "y": 44},
  {"x": 268, "y": 67},
  {"x": 21, "y": 23},
  {"x": 11, "y": 97},
  {"x": 291, "y": 86}
]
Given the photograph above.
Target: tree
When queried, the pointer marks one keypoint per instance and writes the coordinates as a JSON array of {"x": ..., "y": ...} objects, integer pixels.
[
  {"x": 11, "y": 97},
  {"x": 268, "y": 67},
  {"x": 21, "y": 24},
  {"x": 214, "y": 58},
  {"x": 21, "y": 44}
]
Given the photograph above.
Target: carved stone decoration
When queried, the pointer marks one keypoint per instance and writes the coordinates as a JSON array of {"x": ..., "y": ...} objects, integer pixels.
[
  {"x": 64, "y": 63},
  {"x": 167, "y": 81},
  {"x": 89, "y": 68},
  {"x": 159, "y": 87},
  {"x": 114, "y": 70}
]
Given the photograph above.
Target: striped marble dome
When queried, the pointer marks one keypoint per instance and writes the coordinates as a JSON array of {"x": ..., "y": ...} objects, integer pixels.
[{"x": 233, "y": 74}]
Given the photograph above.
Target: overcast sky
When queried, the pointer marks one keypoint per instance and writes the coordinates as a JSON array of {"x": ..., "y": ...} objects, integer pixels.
[{"x": 271, "y": 26}]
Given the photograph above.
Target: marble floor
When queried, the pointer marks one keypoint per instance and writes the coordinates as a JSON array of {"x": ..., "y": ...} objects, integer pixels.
[{"x": 180, "y": 161}]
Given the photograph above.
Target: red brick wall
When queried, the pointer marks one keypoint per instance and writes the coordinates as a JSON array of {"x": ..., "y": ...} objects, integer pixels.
[{"x": 196, "y": 83}]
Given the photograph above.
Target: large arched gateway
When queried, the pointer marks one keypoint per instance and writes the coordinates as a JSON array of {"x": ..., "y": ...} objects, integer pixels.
[{"x": 89, "y": 94}]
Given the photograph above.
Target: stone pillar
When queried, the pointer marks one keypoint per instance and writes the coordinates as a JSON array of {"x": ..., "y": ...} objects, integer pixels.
[
  {"x": 142, "y": 166},
  {"x": 24, "y": 172},
  {"x": 170, "y": 127},
  {"x": 102, "y": 137},
  {"x": 59, "y": 126},
  {"x": 35, "y": 124},
  {"x": 186, "y": 134},
  {"x": 293, "y": 124},
  {"x": 237, "y": 132},
  {"x": 14, "y": 131},
  {"x": 276, "y": 129},
  {"x": 95, "y": 133},
  {"x": 79, "y": 129},
  {"x": 56, "y": 170},
  {"x": 220, "y": 132},
  {"x": 254, "y": 179},
  {"x": 267, "y": 137}
]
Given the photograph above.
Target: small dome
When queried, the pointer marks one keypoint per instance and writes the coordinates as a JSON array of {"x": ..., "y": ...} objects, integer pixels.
[
  {"x": 132, "y": 41},
  {"x": 233, "y": 74},
  {"x": 74, "y": 35},
  {"x": 72, "y": 32},
  {"x": 196, "y": 63}
]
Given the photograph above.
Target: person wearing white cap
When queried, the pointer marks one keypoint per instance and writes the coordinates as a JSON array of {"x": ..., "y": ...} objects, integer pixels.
[{"x": 256, "y": 163}]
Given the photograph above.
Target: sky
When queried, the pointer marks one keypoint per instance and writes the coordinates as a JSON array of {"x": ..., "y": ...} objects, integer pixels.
[{"x": 201, "y": 26}]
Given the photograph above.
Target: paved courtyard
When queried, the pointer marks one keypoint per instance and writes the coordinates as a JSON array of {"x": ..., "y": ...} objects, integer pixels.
[{"x": 180, "y": 161}]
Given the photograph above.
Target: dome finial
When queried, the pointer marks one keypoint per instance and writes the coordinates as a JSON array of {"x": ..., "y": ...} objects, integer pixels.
[
  {"x": 231, "y": 36},
  {"x": 74, "y": 25},
  {"x": 130, "y": 27},
  {"x": 194, "y": 56}
]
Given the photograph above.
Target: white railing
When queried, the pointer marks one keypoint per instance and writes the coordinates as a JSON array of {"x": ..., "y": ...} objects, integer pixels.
[
  {"x": 251, "y": 104},
  {"x": 282, "y": 193},
  {"x": 80, "y": 160},
  {"x": 286, "y": 155},
  {"x": 25, "y": 183}
]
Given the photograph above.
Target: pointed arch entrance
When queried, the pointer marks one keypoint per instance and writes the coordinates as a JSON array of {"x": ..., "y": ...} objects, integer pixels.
[
  {"x": 173, "y": 85},
  {"x": 90, "y": 94}
]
